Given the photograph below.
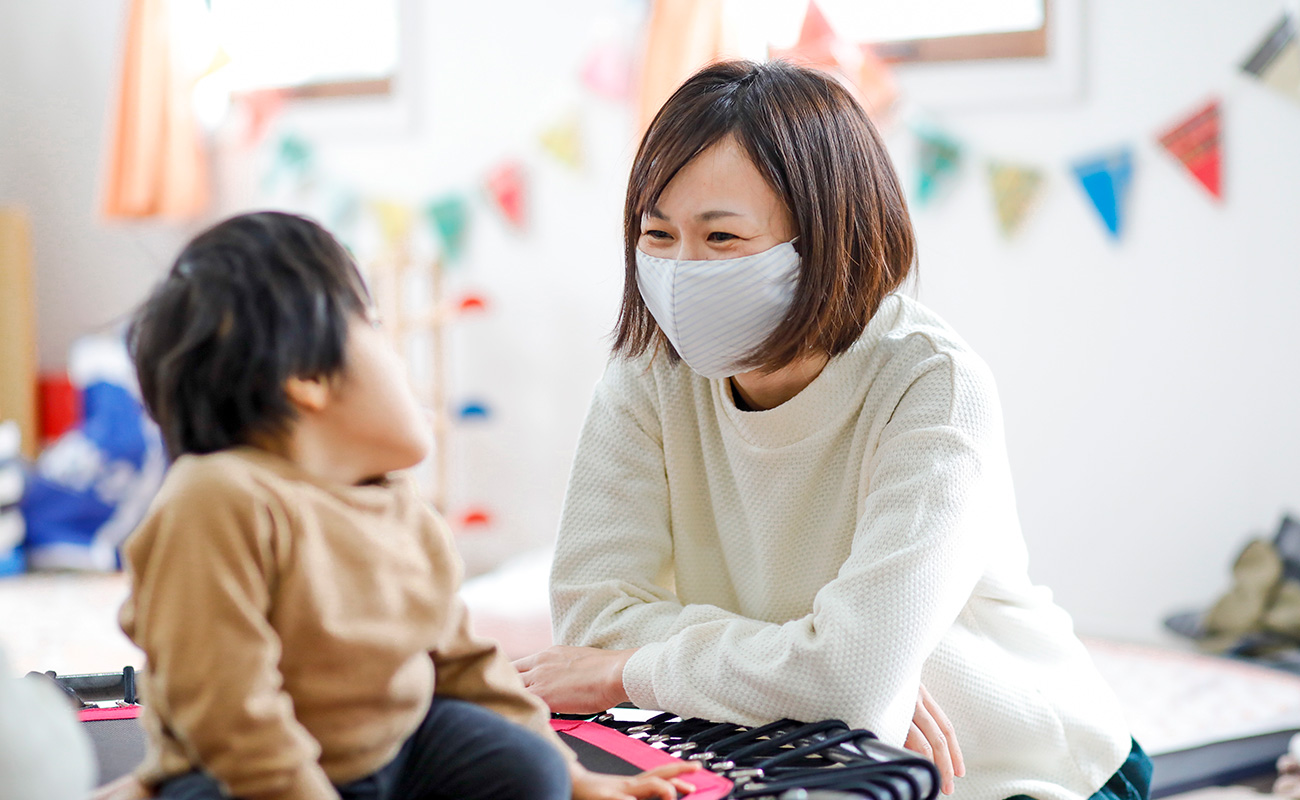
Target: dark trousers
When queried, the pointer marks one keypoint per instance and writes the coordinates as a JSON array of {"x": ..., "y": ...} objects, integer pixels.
[{"x": 461, "y": 750}]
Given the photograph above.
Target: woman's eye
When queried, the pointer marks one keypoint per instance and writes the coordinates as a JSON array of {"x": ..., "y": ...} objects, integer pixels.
[
  {"x": 720, "y": 236},
  {"x": 655, "y": 234}
]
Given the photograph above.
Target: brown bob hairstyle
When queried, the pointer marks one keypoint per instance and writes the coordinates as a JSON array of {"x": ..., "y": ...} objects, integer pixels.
[{"x": 813, "y": 143}]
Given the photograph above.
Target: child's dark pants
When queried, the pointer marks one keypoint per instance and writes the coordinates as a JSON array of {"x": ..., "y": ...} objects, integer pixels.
[{"x": 461, "y": 751}]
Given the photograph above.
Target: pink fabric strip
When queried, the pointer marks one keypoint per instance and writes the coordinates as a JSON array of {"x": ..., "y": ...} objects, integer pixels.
[
  {"x": 118, "y": 712},
  {"x": 708, "y": 786}
]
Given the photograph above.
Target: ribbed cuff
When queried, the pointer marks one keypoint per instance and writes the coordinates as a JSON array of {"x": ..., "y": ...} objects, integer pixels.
[{"x": 638, "y": 676}]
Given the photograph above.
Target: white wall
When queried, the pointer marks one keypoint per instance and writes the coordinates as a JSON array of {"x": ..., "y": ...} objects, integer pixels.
[
  {"x": 59, "y": 63},
  {"x": 1148, "y": 385}
]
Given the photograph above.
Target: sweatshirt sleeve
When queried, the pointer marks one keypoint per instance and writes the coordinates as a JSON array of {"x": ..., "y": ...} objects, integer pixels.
[
  {"x": 201, "y": 566},
  {"x": 934, "y": 484},
  {"x": 611, "y": 578}
]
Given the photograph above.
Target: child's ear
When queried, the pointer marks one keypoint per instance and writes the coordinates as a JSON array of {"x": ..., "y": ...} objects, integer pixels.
[{"x": 308, "y": 394}]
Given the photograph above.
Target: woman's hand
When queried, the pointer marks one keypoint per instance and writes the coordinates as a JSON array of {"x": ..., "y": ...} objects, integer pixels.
[
  {"x": 932, "y": 736},
  {"x": 576, "y": 680},
  {"x": 127, "y": 787},
  {"x": 661, "y": 782}
]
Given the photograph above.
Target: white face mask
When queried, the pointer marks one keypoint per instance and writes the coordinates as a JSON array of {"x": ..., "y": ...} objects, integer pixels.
[{"x": 716, "y": 313}]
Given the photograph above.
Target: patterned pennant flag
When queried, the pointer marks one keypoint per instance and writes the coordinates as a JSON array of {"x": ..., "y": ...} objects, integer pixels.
[
  {"x": 564, "y": 141},
  {"x": 1107, "y": 179},
  {"x": 450, "y": 218},
  {"x": 505, "y": 185},
  {"x": 1196, "y": 143},
  {"x": 939, "y": 157},
  {"x": 1015, "y": 189},
  {"x": 1277, "y": 61}
]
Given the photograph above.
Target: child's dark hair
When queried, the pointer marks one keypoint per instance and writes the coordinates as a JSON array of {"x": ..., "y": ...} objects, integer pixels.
[{"x": 248, "y": 304}]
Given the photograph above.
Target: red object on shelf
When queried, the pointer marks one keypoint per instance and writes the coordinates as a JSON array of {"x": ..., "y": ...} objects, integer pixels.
[
  {"x": 58, "y": 405},
  {"x": 471, "y": 302},
  {"x": 474, "y": 519}
]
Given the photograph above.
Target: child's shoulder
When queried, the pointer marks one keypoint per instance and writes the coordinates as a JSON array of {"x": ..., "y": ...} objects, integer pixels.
[{"x": 211, "y": 477}]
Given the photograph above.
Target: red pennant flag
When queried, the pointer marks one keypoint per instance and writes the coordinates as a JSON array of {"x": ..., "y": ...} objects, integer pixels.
[
  {"x": 1196, "y": 143},
  {"x": 506, "y": 186}
]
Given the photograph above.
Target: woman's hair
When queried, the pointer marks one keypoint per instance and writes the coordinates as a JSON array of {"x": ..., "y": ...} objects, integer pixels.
[
  {"x": 248, "y": 304},
  {"x": 813, "y": 143}
]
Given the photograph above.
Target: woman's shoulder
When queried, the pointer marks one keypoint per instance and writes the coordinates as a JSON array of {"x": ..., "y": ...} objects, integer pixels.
[{"x": 911, "y": 340}]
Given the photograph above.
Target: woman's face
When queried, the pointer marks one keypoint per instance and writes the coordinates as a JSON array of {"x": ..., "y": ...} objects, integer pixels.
[{"x": 717, "y": 206}]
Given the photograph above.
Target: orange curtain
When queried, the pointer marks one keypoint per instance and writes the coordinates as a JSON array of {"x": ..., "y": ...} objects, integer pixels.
[
  {"x": 683, "y": 35},
  {"x": 156, "y": 163}
]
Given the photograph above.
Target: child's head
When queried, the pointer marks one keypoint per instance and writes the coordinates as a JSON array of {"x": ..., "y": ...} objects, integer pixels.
[{"x": 262, "y": 322}]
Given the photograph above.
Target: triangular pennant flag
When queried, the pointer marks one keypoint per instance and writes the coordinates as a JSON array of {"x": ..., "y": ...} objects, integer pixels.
[
  {"x": 1276, "y": 63},
  {"x": 938, "y": 157},
  {"x": 1107, "y": 179},
  {"x": 869, "y": 77},
  {"x": 505, "y": 185},
  {"x": 1196, "y": 142},
  {"x": 450, "y": 217},
  {"x": 394, "y": 221},
  {"x": 1015, "y": 188},
  {"x": 292, "y": 159},
  {"x": 608, "y": 72},
  {"x": 564, "y": 141}
]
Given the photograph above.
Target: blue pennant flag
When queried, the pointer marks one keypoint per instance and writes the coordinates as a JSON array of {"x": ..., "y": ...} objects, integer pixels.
[{"x": 1107, "y": 179}]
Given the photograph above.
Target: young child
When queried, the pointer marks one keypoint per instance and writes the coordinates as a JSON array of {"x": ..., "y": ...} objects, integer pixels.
[{"x": 294, "y": 596}]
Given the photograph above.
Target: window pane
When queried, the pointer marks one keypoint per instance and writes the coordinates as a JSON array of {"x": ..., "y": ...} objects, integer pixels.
[
  {"x": 288, "y": 43},
  {"x": 892, "y": 21}
]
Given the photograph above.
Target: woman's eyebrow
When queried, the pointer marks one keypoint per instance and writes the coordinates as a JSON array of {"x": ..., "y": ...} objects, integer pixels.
[{"x": 704, "y": 216}]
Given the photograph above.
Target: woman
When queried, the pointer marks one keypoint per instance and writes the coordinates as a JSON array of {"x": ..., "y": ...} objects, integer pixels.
[{"x": 791, "y": 497}]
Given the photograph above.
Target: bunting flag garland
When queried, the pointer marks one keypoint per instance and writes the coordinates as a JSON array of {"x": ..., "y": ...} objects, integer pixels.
[
  {"x": 1276, "y": 63},
  {"x": 505, "y": 186},
  {"x": 564, "y": 141},
  {"x": 1107, "y": 179},
  {"x": 1015, "y": 190},
  {"x": 449, "y": 216},
  {"x": 1196, "y": 143},
  {"x": 939, "y": 156}
]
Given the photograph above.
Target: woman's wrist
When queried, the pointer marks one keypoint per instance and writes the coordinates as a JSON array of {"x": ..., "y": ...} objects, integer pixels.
[{"x": 614, "y": 690}]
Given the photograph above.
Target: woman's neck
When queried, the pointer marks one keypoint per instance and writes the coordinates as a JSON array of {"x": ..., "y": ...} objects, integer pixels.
[{"x": 761, "y": 391}]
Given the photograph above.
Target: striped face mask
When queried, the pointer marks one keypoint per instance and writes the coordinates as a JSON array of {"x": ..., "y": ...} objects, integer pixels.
[{"x": 716, "y": 313}]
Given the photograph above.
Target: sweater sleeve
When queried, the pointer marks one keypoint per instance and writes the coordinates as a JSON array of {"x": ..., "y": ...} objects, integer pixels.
[
  {"x": 472, "y": 668},
  {"x": 931, "y": 488},
  {"x": 201, "y": 567},
  {"x": 611, "y": 578}
]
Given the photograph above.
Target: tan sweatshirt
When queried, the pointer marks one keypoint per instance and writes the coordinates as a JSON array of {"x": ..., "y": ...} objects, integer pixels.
[{"x": 296, "y": 630}]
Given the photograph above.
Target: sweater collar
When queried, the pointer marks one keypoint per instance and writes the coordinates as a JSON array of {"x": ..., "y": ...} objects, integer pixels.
[{"x": 833, "y": 395}]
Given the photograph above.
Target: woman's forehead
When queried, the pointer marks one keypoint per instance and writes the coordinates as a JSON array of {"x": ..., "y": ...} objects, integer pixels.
[{"x": 720, "y": 181}]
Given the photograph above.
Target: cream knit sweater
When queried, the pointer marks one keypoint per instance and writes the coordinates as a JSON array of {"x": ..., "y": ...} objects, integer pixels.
[{"x": 823, "y": 558}]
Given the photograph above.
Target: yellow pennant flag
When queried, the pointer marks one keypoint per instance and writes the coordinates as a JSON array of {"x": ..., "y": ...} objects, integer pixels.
[
  {"x": 564, "y": 141},
  {"x": 394, "y": 221}
]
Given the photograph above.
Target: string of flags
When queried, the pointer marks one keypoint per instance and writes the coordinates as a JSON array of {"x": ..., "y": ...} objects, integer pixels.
[
  {"x": 501, "y": 191},
  {"x": 1106, "y": 177}
]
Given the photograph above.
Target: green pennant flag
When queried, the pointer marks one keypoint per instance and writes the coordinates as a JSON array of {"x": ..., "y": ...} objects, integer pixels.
[
  {"x": 449, "y": 216},
  {"x": 938, "y": 159}
]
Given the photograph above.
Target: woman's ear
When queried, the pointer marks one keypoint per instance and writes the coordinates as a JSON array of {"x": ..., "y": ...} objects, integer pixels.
[{"x": 308, "y": 394}]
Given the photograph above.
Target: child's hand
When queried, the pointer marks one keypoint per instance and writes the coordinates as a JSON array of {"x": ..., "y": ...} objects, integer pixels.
[
  {"x": 661, "y": 782},
  {"x": 126, "y": 787}
]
